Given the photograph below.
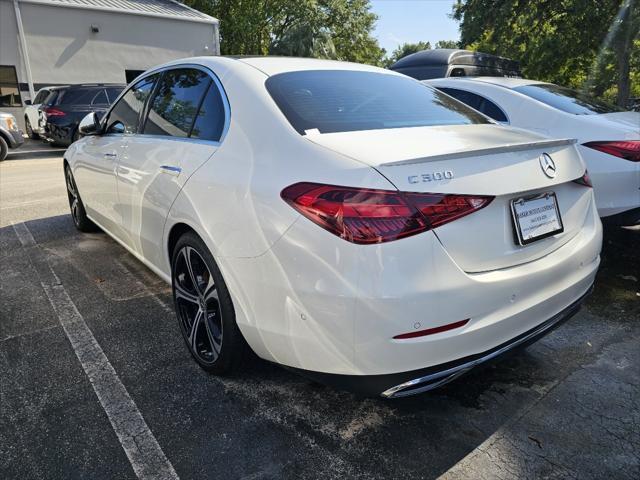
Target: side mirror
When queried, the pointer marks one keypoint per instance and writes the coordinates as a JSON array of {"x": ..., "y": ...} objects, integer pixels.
[
  {"x": 117, "y": 128},
  {"x": 28, "y": 102},
  {"x": 89, "y": 125}
]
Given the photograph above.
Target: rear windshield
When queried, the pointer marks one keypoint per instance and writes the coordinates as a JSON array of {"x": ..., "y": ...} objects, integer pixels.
[
  {"x": 345, "y": 101},
  {"x": 566, "y": 99},
  {"x": 77, "y": 96}
]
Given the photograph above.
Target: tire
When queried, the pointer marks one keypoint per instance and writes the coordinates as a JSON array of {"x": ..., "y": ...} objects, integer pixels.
[
  {"x": 78, "y": 213},
  {"x": 32, "y": 135},
  {"x": 76, "y": 136},
  {"x": 204, "y": 309},
  {"x": 4, "y": 148}
]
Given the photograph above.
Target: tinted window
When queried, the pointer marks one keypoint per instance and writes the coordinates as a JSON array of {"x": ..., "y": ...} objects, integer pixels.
[
  {"x": 128, "y": 108},
  {"x": 51, "y": 98},
  {"x": 41, "y": 96},
  {"x": 100, "y": 98},
  {"x": 113, "y": 93},
  {"x": 478, "y": 102},
  {"x": 175, "y": 103},
  {"x": 566, "y": 99},
  {"x": 210, "y": 120},
  {"x": 9, "y": 91},
  {"x": 76, "y": 96},
  {"x": 344, "y": 100}
]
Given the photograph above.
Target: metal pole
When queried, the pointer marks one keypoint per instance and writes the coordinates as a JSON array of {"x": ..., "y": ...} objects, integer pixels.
[{"x": 25, "y": 53}]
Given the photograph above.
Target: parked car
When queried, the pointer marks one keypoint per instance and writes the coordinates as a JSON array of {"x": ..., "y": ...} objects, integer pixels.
[
  {"x": 31, "y": 116},
  {"x": 343, "y": 220},
  {"x": 63, "y": 109},
  {"x": 451, "y": 62},
  {"x": 608, "y": 137},
  {"x": 10, "y": 134}
]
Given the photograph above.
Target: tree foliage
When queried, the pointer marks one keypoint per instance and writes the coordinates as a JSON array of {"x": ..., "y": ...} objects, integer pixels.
[
  {"x": 404, "y": 50},
  {"x": 339, "y": 29},
  {"x": 581, "y": 43}
]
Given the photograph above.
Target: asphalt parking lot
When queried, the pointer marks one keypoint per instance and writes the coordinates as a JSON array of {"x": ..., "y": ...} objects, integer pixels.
[{"x": 95, "y": 381}]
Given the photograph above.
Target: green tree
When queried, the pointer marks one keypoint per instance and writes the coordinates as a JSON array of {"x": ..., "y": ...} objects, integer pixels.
[
  {"x": 581, "y": 43},
  {"x": 447, "y": 44},
  {"x": 339, "y": 29},
  {"x": 404, "y": 50}
]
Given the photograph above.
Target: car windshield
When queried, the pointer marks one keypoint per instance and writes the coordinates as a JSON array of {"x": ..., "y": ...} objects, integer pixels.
[
  {"x": 566, "y": 99},
  {"x": 343, "y": 101}
]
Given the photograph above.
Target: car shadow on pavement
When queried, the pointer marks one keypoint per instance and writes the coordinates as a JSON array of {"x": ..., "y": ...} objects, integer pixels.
[{"x": 129, "y": 311}]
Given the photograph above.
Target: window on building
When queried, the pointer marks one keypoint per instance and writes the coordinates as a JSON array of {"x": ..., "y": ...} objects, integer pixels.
[
  {"x": 126, "y": 111},
  {"x": 477, "y": 102},
  {"x": 9, "y": 88},
  {"x": 211, "y": 116},
  {"x": 175, "y": 103}
]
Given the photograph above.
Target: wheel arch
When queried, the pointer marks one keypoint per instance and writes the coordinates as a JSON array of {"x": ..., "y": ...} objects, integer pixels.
[{"x": 176, "y": 231}]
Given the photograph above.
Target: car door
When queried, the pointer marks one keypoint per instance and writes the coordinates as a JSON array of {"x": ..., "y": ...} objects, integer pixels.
[
  {"x": 181, "y": 130},
  {"x": 98, "y": 155}
]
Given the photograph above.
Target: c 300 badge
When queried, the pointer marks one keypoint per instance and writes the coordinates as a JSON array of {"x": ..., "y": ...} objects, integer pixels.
[{"x": 431, "y": 177}]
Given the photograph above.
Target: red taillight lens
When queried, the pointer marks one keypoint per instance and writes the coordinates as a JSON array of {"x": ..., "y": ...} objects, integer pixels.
[
  {"x": 367, "y": 216},
  {"x": 444, "y": 208},
  {"x": 584, "y": 180},
  {"x": 627, "y": 149},
  {"x": 54, "y": 112}
]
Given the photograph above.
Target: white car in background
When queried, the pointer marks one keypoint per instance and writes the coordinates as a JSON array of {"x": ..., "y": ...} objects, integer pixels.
[
  {"x": 608, "y": 138},
  {"x": 343, "y": 220},
  {"x": 31, "y": 114}
]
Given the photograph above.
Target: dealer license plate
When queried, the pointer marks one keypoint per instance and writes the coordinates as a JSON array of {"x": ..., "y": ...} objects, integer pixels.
[{"x": 536, "y": 217}]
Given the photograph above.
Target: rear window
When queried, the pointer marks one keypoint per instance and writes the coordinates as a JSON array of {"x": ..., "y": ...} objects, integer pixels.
[
  {"x": 344, "y": 101},
  {"x": 566, "y": 99},
  {"x": 77, "y": 96}
]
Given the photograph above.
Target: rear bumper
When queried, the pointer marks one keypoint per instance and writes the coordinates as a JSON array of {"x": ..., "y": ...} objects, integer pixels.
[{"x": 404, "y": 384}]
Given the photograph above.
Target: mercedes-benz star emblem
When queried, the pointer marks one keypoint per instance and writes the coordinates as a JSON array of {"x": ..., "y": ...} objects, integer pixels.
[{"x": 548, "y": 165}]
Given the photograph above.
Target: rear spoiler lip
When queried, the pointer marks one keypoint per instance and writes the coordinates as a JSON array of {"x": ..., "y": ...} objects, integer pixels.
[{"x": 510, "y": 147}]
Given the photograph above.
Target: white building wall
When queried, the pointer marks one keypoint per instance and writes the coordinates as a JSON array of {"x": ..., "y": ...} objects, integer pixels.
[{"x": 63, "y": 49}]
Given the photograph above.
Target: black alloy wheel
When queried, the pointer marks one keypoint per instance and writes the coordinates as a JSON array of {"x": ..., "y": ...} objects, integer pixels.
[
  {"x": 78, "y": 213},
  {"x": 204, "y": 308}
]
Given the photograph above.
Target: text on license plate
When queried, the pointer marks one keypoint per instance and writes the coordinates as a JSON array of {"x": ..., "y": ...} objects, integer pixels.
[{"x": 536, "y": 217}]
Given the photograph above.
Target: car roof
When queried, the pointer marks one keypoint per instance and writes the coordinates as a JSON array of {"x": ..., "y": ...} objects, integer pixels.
[
  {"x": 273, "y": 65},
  {"x": 508, "y": 82}
]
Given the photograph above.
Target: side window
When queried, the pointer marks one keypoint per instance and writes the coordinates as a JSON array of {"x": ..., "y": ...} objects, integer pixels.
[
  {"x": 477, "y": 102},
  {"x": 113, "y": 93},
  {"x": 124, "y": 115},
  {"x": 175, "y": 104},
  {"x": 41, "y": 96},
  {"x": 210, "y": 120},
  {"x": 100, "y": 98}
]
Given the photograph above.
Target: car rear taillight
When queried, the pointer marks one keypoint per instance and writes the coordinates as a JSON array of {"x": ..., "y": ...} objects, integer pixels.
[
  {"x": 584, "y": 180},
  {"x": 368, "y": 216},
  {"x": 54, "y": 112},
  {"x": 627, "y": 149}
]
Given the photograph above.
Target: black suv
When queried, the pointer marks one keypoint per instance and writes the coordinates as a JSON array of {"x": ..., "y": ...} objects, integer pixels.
[{"x": 62, "y": 110}]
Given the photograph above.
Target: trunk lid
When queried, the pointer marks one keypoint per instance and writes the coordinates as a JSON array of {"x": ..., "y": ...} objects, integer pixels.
[{"x": 477, "y": 160}]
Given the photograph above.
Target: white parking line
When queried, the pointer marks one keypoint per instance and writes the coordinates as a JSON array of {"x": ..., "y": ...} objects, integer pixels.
[{"x": 142, "y": 449}]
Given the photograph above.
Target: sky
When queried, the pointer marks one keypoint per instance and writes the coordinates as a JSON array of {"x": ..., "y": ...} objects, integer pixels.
[{"x": 401, "y": 21}]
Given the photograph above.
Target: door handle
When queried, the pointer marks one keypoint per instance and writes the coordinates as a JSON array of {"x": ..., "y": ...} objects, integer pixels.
[
  {"x": 111, "y": 155},
  {"x": 170, "y": 170}
]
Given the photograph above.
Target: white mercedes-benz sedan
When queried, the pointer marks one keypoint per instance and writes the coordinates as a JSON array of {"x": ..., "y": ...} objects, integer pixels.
[
  {"x": 342, "y": 220},
  {"x": 608, "y": 137}
]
